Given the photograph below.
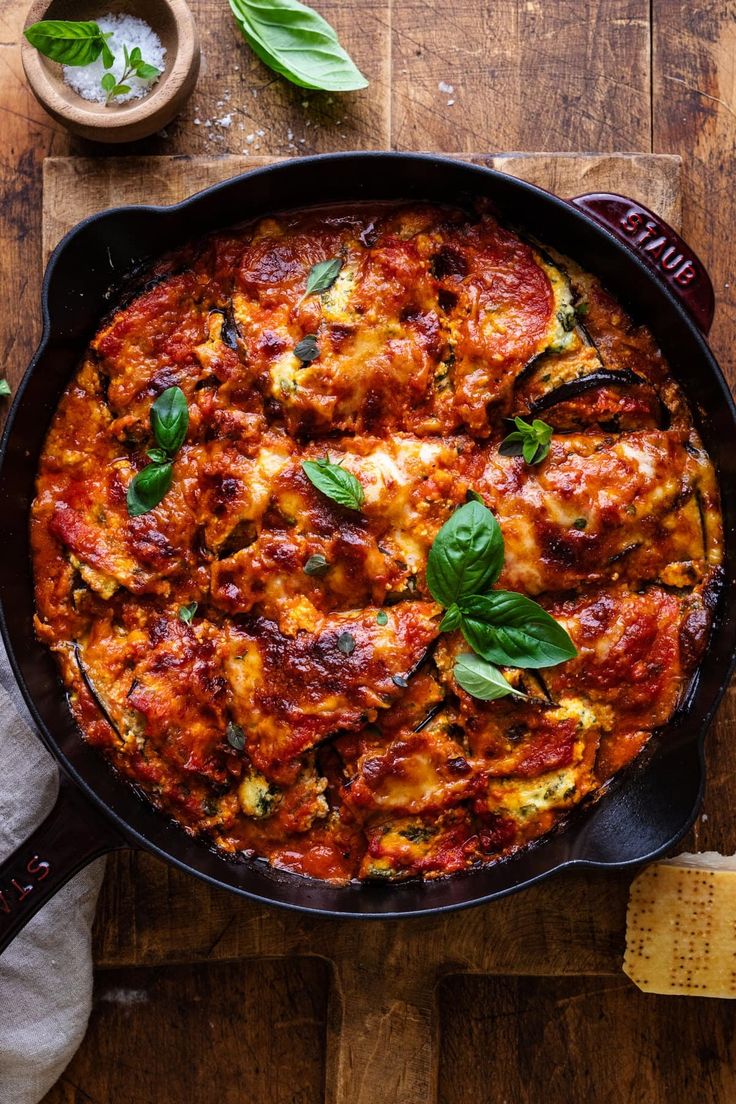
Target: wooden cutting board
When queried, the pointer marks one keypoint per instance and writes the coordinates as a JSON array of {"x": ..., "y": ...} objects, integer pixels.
[{"x": 382, "y": 1038}]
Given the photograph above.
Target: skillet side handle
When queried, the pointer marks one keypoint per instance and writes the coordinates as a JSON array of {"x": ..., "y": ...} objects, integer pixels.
[
  {"x": 659, "y": 246},
  {"x": 71, "y": 836}
]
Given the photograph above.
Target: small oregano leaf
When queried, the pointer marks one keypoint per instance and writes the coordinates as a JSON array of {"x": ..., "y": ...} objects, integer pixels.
[
  {"x": 323, "y": 275},
  {"x": 307, "y": 349},
  {"x": 186, "y": 613}
]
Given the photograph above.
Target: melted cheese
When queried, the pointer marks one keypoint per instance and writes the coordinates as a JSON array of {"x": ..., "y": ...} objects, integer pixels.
[{"x": 247, "y": 597}]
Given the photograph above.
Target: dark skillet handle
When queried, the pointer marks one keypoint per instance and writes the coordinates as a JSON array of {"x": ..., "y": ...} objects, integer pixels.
[
  {"x": 659, "y": 246},
  {"x": 71, "y": 836}
]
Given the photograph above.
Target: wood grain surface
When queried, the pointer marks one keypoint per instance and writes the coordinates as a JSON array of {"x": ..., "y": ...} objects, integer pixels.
[
  {"x": 194, "y": 999},
  {"x": 74, "y": 187}
]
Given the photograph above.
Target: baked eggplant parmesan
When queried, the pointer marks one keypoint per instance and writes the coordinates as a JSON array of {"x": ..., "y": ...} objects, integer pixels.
[{"x": 373, "y": 541}]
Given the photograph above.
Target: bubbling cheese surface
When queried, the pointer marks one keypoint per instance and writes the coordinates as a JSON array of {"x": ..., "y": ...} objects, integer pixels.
[{"x": 306, "y": 713}]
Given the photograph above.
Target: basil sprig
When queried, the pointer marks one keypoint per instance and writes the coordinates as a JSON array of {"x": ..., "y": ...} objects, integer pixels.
[
  {"x": 133, "y": 66},
  {"x": 334, "y": 482},
  {"x": 70, "y": 42},
  {"x": 297, "y": 43},
  {"x": 169, "y": 422},
  {"x": 501, "y": 626},
  {"x": 4, "y": 389},
  {"x": 529, "y": 439}
]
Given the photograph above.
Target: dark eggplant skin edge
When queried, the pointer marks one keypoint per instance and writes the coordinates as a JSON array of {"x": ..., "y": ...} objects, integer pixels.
[
  {"x": 572, "y": 389},
  {"x": 90, "y": 686}
]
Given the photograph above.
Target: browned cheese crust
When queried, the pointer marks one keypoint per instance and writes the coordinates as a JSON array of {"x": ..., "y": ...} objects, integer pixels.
[{"x": 370, "y": 761}]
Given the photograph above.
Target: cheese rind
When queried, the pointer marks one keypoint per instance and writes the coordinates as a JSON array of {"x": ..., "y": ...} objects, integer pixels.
[{"x": 681, "y": 927}]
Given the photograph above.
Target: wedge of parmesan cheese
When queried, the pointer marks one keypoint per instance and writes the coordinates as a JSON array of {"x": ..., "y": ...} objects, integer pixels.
[{"x": 681, "y": 927}]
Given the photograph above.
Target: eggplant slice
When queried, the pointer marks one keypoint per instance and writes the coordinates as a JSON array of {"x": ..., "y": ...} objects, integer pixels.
[
  {"x": 566, "y": 371},
  {"x": 93, "y": 691}
]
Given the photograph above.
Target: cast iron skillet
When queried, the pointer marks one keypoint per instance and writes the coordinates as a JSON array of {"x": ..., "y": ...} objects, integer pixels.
[{"x": 641, "y": 260}]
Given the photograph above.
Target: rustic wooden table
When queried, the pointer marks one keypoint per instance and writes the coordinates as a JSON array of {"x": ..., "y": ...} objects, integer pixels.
[{"x": 205, "y": 999}]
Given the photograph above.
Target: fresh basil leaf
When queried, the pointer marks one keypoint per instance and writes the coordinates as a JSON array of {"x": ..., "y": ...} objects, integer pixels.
[
  {"x": 316, "y": 565},
  {"x": 121, "y": 90},
  {"x": 158, "y": 455},
  {"x": 451, "y": 620},
  {"x": 334, "y": 482},
  {"x": 108, "y": 57},
  {"x": 235, "y": 736},
  {"x": 147, "y": 488},
  {"x": 307, "y": 349},
  {"x": 481, "y": 679},
  {"x": 4, "y": 389},
  {"x": 170, "y": 419},
  {"x": 323, "y": 275},
  {"x": 511, "y": 629},
  {"x": 466, "y": 556},
  {"x": 108, "y": 83},
  {"x": 530, "y": 440},
  {"x": 186, "y": 613},
  {"x": 381, "y": 617},
  {"x": 135, "y": 54},
  {"x": 67, "y": 41},
  {"x": 346, "y": 643},
  {"x": 297, "y": 43},
  {"x": 146, "y": 71}
]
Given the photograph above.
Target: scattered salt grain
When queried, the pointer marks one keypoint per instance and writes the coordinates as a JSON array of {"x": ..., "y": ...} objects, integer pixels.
[
  {"x": 225, "y": 121},
  {"x": 127, "y": 30},
  {"x": 445, "y": 87},
  {"x": 450, "y": 103}
]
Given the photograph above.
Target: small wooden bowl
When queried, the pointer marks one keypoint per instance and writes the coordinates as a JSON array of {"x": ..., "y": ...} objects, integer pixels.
[{"x": 173, "y": 23}]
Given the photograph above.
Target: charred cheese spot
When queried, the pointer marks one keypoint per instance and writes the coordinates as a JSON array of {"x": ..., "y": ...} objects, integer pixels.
[
  {"x": 413, "y": 772},
  {"x": 291, "y": 693}
]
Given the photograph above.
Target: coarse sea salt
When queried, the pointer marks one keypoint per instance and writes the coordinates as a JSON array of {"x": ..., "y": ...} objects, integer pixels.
[{"x": 127, "y": 30}]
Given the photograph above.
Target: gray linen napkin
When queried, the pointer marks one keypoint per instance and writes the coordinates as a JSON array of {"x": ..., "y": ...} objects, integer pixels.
[{"x": 46, "y": 973}]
